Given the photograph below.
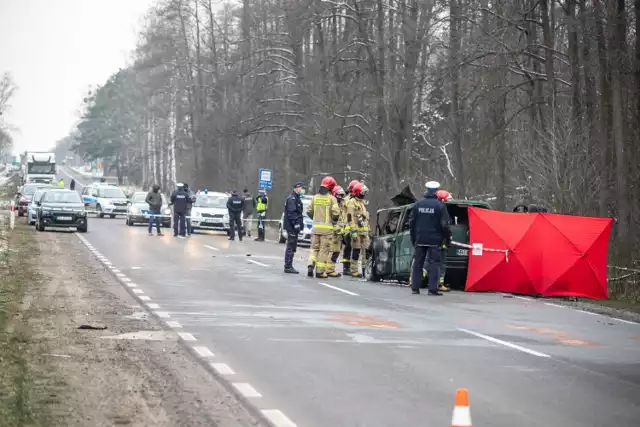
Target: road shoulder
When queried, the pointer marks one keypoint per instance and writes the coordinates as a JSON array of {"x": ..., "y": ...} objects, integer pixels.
[{"x": 82, "y": 377}]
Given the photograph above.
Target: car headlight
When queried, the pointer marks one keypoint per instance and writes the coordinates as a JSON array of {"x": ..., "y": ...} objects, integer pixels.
[
  {"x": 166, "y": 211},
  {"x": 81, "y": 213},
  {"x": 226, "y": 217},
  {"x": 46, "y": 211},
  {"x": 134, "y": 210},
  {"x": 195, "y": 214},
  {"x": 107, "y": 202}
]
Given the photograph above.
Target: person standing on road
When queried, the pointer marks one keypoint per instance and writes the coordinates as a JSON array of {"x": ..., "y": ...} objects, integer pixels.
[
  {"x": 338, "y": 230},
  {"x": 191, "y": 199},
  {"x": 61, "y": 183},
  {"x": 324, "y": 212},
  {"x": 154, "y": 200},
  {"x": 247, "y": 213},
  {"x": 262, "y": 204},
  {"x": 293, "y": 223},
  {"x": 429, "y": 228},
  {"x": 358, "y": 224},
  {"x": 346, "y": 253},
  {"x": 179, "y": 200},
  {"x": 72, "y": 185},
  {"x": 235, "y": 206}
]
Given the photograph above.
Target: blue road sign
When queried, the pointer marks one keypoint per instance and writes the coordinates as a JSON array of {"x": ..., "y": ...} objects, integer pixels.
[{"x": 265, "y": 179}]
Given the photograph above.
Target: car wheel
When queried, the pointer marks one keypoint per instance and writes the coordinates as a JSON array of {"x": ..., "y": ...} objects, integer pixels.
[
  {"x": 83, "y": 230},
  {"x": 39, "y": 226},
  {"x": 281, "y": 238},
  {"x": 100, "y": 213},
  {"x": 112, "y": 216},
  {"x": 370, "y": 272}
]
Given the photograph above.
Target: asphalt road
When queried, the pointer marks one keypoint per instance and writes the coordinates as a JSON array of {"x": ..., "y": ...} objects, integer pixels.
[{"x": 361, "y": 354}]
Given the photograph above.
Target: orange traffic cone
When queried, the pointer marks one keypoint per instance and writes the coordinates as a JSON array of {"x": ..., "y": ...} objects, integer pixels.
[{"x": 461, "y": 412}]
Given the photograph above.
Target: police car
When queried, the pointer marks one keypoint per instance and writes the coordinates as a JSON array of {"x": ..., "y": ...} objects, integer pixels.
[
  {"x": 105, "y": 199},
  {"x": 209, "y": 212},
  {"x": 304, "y": 238}
]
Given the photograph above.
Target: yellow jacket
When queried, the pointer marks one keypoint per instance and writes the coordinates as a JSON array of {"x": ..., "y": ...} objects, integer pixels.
[
  {"x": 322, "y": 209},
  {"x": 357, "y": 213}
]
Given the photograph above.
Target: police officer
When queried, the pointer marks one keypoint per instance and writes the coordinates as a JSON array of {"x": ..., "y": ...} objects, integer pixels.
[
  {"x": 293, "y": 222},
  {"x": 429, "y": 228},
  {"x": 247, "y": 213},
  {"x": 179, "y": 200},
  {"x": 235, "y": 205},
  {"x": 262, "y": 202},
  {"x": 72, "y": 186}
]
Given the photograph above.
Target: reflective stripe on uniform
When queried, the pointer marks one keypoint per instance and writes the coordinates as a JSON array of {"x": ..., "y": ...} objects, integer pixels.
[{"x": 322, "y": 202}]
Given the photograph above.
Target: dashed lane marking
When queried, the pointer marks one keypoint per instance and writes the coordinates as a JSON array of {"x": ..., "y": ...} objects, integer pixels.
[
  {"x": 173, "y": 324},
  {"x": 153, "y": 306},
  {"x": 278, "y": 418},
  {"x": 624, "y": 321},
  {"x": 257, "y": 263},
  {"x": 145, "y": 298},
  {"x": 121, "y": 275},
  {"x": 136, "y": 268},
  {"x": 338, "y": 289},
  {"x": 137, "y": 291},
  {"x": 504, "y": 343},
  {"x": 132, "y": 285},
  {"x": 246, "y": 390},
  {"x": 162, "y": 314},
  {"x": 211, "y": 247},
  {"x": 223, "y": 369},
  {"x": 187, "y": 336},
  {"x": 203, "y": 351},
  {"x": 126, "y": 280}
]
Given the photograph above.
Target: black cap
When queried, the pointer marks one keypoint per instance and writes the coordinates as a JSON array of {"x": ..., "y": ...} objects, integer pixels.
[
  {"x": 246, "y": 190},
  {"x": 299, "y": 184}
]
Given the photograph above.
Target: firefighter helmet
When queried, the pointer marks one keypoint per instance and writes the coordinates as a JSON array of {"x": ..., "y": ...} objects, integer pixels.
[
  {"x": 338, "y": 191},
  {"x": 360, "y": 190},
  {"x": 351, "y": 185},
  {"x": 328, "y": 182},
  {"x": 443, "y": 195}
]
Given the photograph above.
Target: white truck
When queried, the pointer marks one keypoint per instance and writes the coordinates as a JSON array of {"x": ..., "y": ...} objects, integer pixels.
[{"x": 39, "y": 167}]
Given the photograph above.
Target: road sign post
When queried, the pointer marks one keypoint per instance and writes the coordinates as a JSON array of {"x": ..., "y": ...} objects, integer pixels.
[{"x": 265, "y": 179}]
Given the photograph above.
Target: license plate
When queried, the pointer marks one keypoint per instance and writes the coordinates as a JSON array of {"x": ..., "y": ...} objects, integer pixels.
[
  {"x": 145, "y": 212},
  {"x": 462, "y": 252},
  {"x": 64, "y": 218}
]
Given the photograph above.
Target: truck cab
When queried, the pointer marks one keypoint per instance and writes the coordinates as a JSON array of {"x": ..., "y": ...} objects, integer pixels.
[{"x": 39, "y": 168}]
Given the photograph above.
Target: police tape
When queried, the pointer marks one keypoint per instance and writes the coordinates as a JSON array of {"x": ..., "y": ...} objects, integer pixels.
[
  {"x": 478, "y": 248},
  {"x": 146, "y": 215}
]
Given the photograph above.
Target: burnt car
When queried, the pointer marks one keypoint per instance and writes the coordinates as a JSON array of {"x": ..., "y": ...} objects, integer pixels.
[{"x": 391, "y": 253}]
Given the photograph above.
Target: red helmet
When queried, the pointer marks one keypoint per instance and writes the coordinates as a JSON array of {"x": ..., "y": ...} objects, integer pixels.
[
  {"x": 351, "y": 185},
  {"x": 328, "y": 182},
  {"x": 359, "y": 190},
  {"x": 338, "y": 191},
  {"x": 443, "y": 195}
]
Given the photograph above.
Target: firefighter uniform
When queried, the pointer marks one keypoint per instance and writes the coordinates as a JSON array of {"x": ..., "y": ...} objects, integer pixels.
[
  {"x": 324, "y": 212},
  {"x": 359, "y": 228},
  {"x": 338, "y": 231},
  {"x": 346, "y": 237}
]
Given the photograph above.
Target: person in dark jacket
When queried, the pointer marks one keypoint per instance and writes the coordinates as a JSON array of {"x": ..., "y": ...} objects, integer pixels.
[
  {"x": 191, "y": 201},
  {"x": 429, "y": 229},
  {"x": 247, "y": 213},
  {"x": 293, "y": 222},
  {"x": 235, "y": 205},
  {"x": 179, "y": 200},
  {"x": 72, "y": 185},
  {"x": 154, "y": 200}
]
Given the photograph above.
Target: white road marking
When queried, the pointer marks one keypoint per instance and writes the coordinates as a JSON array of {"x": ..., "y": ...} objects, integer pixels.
[
  {"x": 624, "y": 321},
  {"x": 173, "y": 324},
  {"x": 203, "y": 351},
  {"x": 136, "y": 268},
  {"x": 153, "y": 306},
  {"x": 132, "y": 285},
  {"x": 126, "y": 280},
  {"x": 115, "y": 270},
  {"x": 338, "y": 289},
  {"x": 121, "y": 275},
  {"x": 187, "y": 336},
  {"x": 162, "y": 314},
  {"x": 505, "y": 343},
  {"x": 589, "y": 312},
  {"x": 145, "y": 298},
  {"x": 278, "y": 418},
  {"x": 554, "y": 305},
  {"x": 223, "y": 369},
  {"x": 137, "y": 291},
  {"x": 257, "y": 263},
  {"x": 524, "y": 298},
  {"x": 211, "y": 247},
  {"x": 247, "y": 390}
]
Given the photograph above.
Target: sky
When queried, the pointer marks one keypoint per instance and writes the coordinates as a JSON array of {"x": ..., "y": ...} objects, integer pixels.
[{"x": 56, "y": 50}]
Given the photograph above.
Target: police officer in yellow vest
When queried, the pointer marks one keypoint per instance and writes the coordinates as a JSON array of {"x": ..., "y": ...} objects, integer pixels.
[
  {"x": 357, "y": 226},
  {"x": 324, "y": 212},
  {"x": 261, "y": 213}
]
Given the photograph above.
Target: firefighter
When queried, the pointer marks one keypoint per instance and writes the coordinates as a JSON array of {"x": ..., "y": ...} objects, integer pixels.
[
  {"x": 346, "y": 255},
  {"x": 324, "y": 212},
  {"x": 358, "y": 226},
  {"x": 261, "y": 203},
  {"x": 338, "y": 231}
]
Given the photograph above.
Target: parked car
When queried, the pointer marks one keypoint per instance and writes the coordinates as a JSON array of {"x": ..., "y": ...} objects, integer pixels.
[
  {"x": 61, "y": 208},
  {"x": 32, "y": 208},
  {"x": 209, "y": 212},
  {"x": 391, "y": 251},
  {"x": 138, "y": 211},
  {"x": 106, "y": 199},
  {"x": 24, "y": 196},
  {"x": 304, "y": 238}
]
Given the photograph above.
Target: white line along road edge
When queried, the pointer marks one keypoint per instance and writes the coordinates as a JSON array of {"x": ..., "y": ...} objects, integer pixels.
[
  {"x": 338, "y": 289},
  {"x": 504, "y": 343}
]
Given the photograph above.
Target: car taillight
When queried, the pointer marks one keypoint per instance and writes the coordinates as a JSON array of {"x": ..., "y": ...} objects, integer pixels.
[{"x": 23, "y": 201}]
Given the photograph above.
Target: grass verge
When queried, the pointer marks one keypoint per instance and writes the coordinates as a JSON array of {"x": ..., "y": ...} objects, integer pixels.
[{"x": 18, "y": 403}]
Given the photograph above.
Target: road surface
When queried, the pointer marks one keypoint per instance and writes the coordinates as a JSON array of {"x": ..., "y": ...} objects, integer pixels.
[{"x": 349, "y": 353}]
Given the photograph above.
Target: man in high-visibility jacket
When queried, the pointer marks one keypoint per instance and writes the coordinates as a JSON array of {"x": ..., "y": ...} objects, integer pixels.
[
  {"x": 358, "y": 226},
  {"x": 338, "y": 230},
  {"x": 324, "y": 212},
  {"x": 61, "y": 183},
  {"x": 346, "y": 254},
  {"x": 262, "y": 203}
]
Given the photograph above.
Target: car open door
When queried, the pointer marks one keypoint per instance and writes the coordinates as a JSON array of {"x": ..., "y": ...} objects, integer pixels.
[{"x": 383, "y": 245}]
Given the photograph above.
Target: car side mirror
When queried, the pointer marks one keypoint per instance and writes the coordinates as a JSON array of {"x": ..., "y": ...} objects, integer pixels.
[{"x": 129, "y": 202}]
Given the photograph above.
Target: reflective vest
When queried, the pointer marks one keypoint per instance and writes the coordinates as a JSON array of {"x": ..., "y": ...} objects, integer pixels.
[
  {"x": 260, "y": 206},
  {"x": 61, "y": 183},
  {"x": 357, "y": 211},
  {"x": 323, "y": 208}
]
